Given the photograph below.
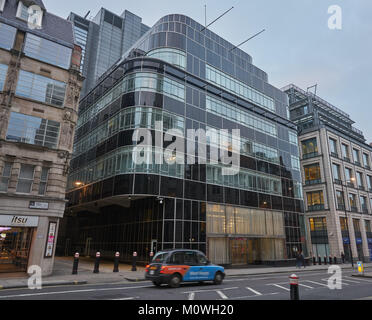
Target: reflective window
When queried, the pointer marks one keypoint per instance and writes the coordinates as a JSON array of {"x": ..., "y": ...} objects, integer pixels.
[
  {"x": 246, "y": 179},
  {"x": 7, "y": 36},
  {"x": 336, "y": 171},
  {"x": 239, "y": 88},
  {"x": 333, "y": 146},
  {"x": 47, "y": 51},
  {"x": 356, "y": 156},
  {"x": 309, "y": 147},
  {"x": 33, "y": 130},
  {"x": 365, "y": 159},
  {"x": 4, "y": 181},
  {"x": 44, "y": 89},
  {"x": 26, "y": 178},
  {"x": 3, "y": 72},
  {"x": 43, "y": 181},
  {"x": 295, "y": 161},
  {"x": 239, "y": 115},
  {"x": 293, "y": 138},
  {"x": 172, "y": 56}
]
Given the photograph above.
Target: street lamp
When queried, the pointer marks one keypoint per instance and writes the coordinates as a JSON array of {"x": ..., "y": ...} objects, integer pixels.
[
  {"x": 347, "y": 220},
  {"x": 78, "y": 184}
]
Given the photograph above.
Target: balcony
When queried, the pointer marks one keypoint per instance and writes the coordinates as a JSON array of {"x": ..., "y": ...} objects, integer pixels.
[
  {"x": 365, "y": 209},
  {"x": 367, "y": 167},
  {"x": 310, "y": 155},
  {"x": 361, "y": 188},
  {"x": 354, "y": 209},
  {"x": 316, "y": 207},
  {"x": 351, "y": 185},
  {"x": 334, "y": 154},
  {"x": 338, "y": 181},
  {"x": 347, "y": 159},
  {"x": 312, "y": 182},
  {"x": 341, "y": 207},
  {"x": 357, "y": 163}
]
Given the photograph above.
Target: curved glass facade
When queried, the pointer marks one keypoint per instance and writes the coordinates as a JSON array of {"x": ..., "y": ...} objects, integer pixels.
[
  {"x": 138, "y": 92},
  {"x": 172, "y": 56}
]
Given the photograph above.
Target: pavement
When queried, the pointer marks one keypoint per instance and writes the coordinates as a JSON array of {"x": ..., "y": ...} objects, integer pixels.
[{"x": 62, "y": 273}]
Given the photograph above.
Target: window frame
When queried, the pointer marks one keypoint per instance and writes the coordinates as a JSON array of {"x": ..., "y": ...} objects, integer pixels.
[{"x": 26, "y": 179}]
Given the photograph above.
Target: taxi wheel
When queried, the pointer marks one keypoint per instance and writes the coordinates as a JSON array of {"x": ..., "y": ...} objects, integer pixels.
[
  {"x": 218, "y": 278},
  {"x": 156, "y": 283},
  {"x": 175, "y": 281}
]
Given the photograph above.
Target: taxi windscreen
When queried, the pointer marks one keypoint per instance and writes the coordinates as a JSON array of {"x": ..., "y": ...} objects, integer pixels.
[{"x": 160, "y": 257}]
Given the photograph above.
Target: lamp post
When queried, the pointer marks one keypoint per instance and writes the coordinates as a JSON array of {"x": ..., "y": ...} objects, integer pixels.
[{"x": 347, "y": 220}]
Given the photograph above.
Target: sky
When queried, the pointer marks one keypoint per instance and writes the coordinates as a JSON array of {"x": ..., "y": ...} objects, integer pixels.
[{"x": 297, "y": 46}]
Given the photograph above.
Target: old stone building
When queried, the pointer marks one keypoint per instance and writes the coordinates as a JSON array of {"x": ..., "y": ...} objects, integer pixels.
[{"x": 40, "y": 85}]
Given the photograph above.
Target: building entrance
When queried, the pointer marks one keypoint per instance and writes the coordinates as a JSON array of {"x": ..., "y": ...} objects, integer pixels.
[
  {"x": 15, "y": 244},
  {"x": 245, "y": 251}
]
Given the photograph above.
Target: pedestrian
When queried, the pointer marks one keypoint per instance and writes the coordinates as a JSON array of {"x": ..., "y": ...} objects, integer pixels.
[
  {"x": 342, "y": 257},
  {"x": 298, "y": 260},
  {"x": 302, "y": 259}
]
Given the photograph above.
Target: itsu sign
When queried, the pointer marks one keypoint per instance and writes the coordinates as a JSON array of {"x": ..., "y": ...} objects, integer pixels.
[{"x": 18, "y": 221}]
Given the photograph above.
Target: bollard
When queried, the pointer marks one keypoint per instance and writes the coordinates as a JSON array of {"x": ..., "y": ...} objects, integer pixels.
[
  {"x": 314, "y": 261},
  {"x": 96, "y": 264},
  {"x": 116, "y": 262},
  {"x": 293, "y": 283},
  {"x": 134, "y": 268},
  {"x": 319, "y": 260},
  {"x": 151, "y": 255},
  {"x": 335, "y": 260},
  {"x": 76, "y": 263},
  {"x": 325, "y": 260},
  {"x": 330, "y": 260}
]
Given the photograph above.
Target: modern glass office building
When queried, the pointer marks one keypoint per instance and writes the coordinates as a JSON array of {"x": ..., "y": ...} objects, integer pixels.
[
  {"x": 185, "y": 77},
  {"x": 104, "y": 39}
]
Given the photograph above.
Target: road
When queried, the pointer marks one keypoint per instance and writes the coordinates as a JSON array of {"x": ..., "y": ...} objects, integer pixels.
[{"x": 312, "y": 286}]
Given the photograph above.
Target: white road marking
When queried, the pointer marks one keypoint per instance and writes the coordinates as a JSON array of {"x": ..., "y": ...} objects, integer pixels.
[
  {"x": 353, "y": 281},
  {"x": 276, "y": 285},
  {"x": 222, "y": 295},
  {"x": 254, "y": 291},
  {"x": 245, "y": 297},
  {"x": 129, "y": 298},
  {"x": 360, "y": 279},
  {"x": 196, "y": 291},
  {"x": 70, "y": 291},
  {"x": 303, "y": 285},
  {"x": 342, "y": 281},
  {"x": 318, "y": 283},
  {"x": 192, "y": 296}
]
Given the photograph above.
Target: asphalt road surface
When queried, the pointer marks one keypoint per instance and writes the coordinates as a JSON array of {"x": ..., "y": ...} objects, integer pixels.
[{"x": 313, "y": 285}]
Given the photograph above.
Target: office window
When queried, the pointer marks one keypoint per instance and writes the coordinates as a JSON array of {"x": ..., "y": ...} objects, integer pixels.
[
  {"x": 315, "y": 201},
  {"x": 363, "y": 204},
  {"x": 33, "y": 130},
  {"x": 295, "y": 161},
  {"x": 353, "y": 202},
  {"x": 336, "y": 172},
  {"x": 356, "y": 225},
  {"x": 312, "y": 174},
  {"x": 43, "y": 181},
  {"x": 26, "y": 178},
  {"x": 369, "y": 182},
  {"x": 356, "y": 156},
  {"x": 345, "y": 151},
  {"x": 36, "y": 87},
  {"x": 366, "y": 160},
  {"x": 333, "y": 146},
  {"x": 349, "y": 176},
  {"x": 234, "y": 86},
  {"x": 22, "y": 11},
  {"x": 3, "y": 72},
  {"x": 360, "y": 180},
  {"x": 340, "y": 200},
  {"x": 318, "y": 224},
  {"x": 7, "y": 36},
  {"x": 293, "y": 138},
  {"x": 309, "y": 147},
  {"x": 172, "y": 56},
  {"x": 47, "y": 51},
  {"x": 368, "y": 226},
  {"x": 5, "y": 177}
]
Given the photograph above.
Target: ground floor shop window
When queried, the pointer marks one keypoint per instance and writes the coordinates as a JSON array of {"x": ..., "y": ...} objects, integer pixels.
[{"x": 15, "y": 246}]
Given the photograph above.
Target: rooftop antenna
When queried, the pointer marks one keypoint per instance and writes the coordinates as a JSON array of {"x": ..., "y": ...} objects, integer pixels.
[
  {"x": 217, "y": 19},
  {"x": 314, "y": 86},
  {"x": 248, "y": 40},
  {"x": 87, "y": 14}
]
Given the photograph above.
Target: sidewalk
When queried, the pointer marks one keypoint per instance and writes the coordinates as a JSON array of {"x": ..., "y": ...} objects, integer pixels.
[{"x": 63, "y": 269}]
